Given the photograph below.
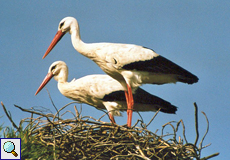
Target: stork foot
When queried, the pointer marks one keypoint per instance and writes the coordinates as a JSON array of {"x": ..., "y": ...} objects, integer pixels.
[{"x": 112, "y": 120}]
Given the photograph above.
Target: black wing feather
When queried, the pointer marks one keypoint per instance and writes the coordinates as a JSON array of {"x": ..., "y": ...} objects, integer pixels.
[
  {"x": 161, "y": 65},
  {"x": 142, "y": 97}
]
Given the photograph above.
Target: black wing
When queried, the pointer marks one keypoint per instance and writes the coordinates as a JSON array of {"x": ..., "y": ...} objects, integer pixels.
[
  {"x": 142, "y": 97},
  {"x": 161, "y": 65}
]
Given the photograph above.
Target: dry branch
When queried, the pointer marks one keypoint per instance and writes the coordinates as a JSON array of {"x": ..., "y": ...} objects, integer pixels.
[
  {"x": 9, "y": 117},
  {"x": 84, "y": 137}
]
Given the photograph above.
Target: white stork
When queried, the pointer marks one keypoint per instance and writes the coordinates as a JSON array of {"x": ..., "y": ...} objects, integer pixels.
[
  {"x": 103, "y": 92},
  {"x": 131, "y": 65}
]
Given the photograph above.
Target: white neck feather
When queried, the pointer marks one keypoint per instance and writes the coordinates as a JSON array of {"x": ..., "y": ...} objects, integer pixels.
[
  {"x": 62, "y": 76},
  {"x": 85, "y": 49}
]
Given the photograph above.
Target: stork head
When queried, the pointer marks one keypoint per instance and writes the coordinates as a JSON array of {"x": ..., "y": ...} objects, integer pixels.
[
  {"x": 58, "y": 70},
  {"x": 67, "y": 24}
]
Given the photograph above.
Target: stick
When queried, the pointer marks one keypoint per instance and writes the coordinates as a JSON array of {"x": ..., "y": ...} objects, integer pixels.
[
  {"x": 14, "y": 125},
  {"x": 196, "y": 124}
]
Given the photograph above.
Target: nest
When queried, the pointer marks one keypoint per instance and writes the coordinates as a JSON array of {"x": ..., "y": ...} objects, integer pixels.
[{"x": 90, "y": 138}]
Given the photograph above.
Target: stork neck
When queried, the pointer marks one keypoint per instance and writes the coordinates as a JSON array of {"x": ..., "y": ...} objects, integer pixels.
[
  {"x": 62, "y": 77},
  {"x": 83, "y": 48},
  {"x": 63, "y": 87}
]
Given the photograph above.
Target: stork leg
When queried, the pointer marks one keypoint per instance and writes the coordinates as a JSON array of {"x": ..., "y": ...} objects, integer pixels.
[
  {"x": 127, "y": 100},
  {"x": 112, "y": 118},
  {"x": 130, "y": 103}
]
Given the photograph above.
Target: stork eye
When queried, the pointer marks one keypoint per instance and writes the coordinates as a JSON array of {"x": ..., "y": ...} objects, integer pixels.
[
  {"x": 53, "y": 67},
  {"x": 61, "y": 24}
]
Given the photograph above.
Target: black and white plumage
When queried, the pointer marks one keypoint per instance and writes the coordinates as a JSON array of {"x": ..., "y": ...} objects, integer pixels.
[
  {"x": 130, "y": 64},
  {"x": 103, "y": 92}
]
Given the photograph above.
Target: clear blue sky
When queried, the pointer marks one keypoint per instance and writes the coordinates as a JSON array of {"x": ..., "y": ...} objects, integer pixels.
[{"x": 194, "y": 34}]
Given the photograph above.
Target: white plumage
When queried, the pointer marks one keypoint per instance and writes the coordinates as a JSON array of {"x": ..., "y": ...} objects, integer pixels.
[
  {"x": 102, "y": 92},
  {"x": 131, "y": 65}
]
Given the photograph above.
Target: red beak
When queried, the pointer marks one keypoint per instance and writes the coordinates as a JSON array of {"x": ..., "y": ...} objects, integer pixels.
[
  {"x": 55, "y": 40},
  {"x": 45, "y": 81}
]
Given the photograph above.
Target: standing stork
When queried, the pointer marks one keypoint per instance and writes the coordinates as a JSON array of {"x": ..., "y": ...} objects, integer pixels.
[
  {"x": 103, "y": 92},
  {"x": 130, "y": 64}
]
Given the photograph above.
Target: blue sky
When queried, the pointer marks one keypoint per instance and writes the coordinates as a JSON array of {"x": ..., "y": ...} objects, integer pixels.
[{"x": 193, "y": 34}]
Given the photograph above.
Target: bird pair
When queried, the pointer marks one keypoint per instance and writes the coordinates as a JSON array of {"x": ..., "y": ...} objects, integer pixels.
[{"x": 130, "y": 65}]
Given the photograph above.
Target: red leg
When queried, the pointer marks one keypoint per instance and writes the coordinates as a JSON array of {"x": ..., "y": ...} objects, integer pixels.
[
  {"x": 130, "y": 106},
  {"x": 112, "y": 118},
  {"x": 127, "y": 100},
  {"x": 131, "y": 101}
]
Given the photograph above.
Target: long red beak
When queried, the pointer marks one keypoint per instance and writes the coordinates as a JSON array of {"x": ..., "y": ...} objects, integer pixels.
[
  {"x": 44, "y": 82},
  {"x": 56, "y": 39}
]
